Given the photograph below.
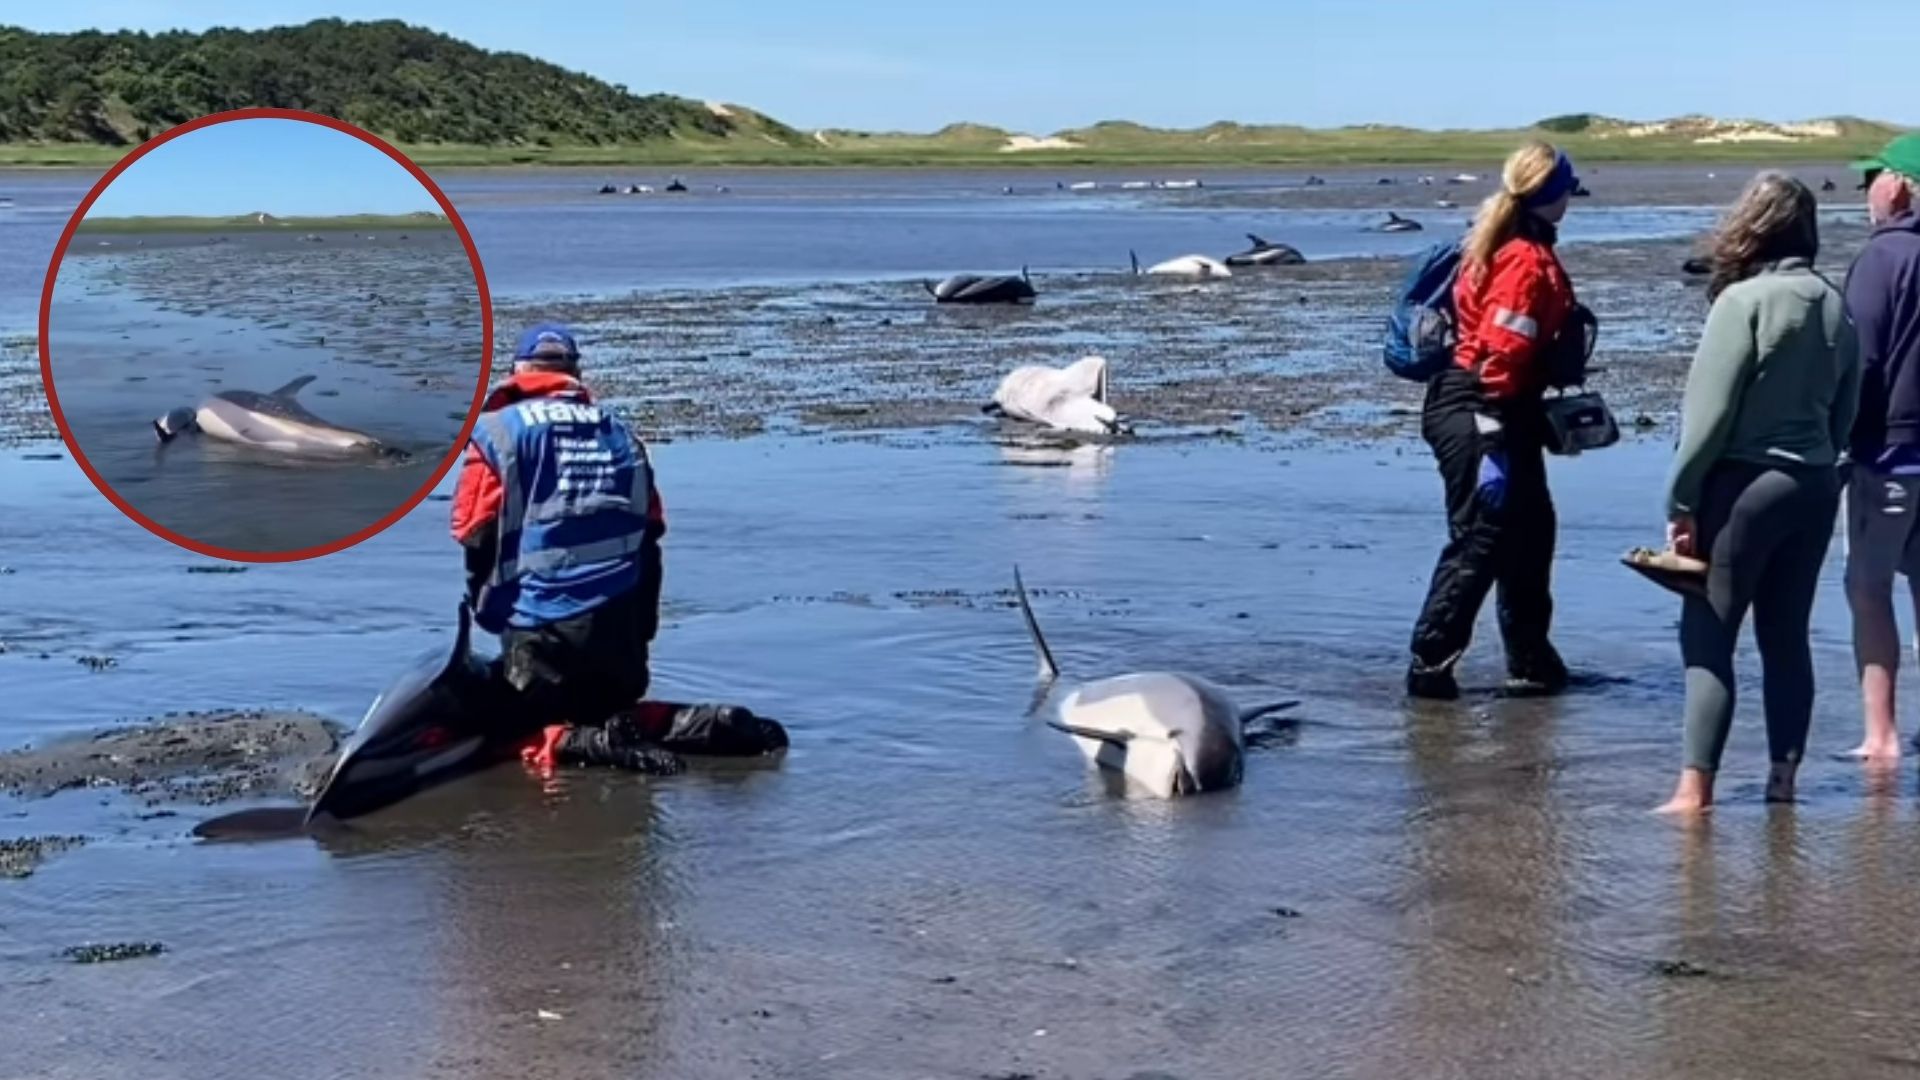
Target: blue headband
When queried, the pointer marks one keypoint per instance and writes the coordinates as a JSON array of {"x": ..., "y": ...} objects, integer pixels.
[{"x": 1560, "y": 181}]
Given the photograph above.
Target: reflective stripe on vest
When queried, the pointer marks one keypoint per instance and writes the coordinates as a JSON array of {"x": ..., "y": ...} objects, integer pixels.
[{"x": 498, "y": 436}]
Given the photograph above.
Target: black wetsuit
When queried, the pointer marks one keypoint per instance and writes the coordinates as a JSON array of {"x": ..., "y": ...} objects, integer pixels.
[{"x": 1509, "y": 547}]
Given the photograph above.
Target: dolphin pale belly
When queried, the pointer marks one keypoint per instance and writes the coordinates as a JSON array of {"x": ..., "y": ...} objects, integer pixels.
[
  {"x": 1166, "y": 733},
  {"x": 1073, "y": 398},
  {"x": 1196, "y": 266},
  {"x": 276, "y": 422},
  {"x": 1266, "y": 253},
  {"x": 976, "y": 289}
]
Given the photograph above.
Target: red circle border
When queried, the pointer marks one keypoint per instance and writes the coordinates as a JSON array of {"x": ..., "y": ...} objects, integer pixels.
[{"x": 412, "y": 501}]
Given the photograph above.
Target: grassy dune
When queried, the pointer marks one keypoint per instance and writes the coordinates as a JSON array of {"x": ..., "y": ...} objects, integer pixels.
[
  {"x": 252, "y": 223},
  {"x": 1260, "y": 146}
]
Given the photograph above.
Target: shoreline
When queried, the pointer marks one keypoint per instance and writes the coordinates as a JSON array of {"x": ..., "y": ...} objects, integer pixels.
[
  {"x": 187, "y": 223},
  {"x": 909, "y": 158}
]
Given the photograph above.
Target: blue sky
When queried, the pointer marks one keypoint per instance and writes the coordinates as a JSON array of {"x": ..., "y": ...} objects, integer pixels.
[
  {"x": 1040, "y": 66},
  {"x": 285, "y": 167}
]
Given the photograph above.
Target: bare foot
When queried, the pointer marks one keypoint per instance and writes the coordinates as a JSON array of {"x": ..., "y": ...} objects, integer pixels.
[
  {"x": 1693, "y": 795},
  {"x": 1878, "y": 748}
]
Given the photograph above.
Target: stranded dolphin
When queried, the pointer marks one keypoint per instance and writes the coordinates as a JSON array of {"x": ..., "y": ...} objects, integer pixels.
[
  {"x": 1199, "y": 266},
  {"x": 1266, "y": 253},
  {"x": 1169, "y": 734},
  {"x": 976, "y": 289},
  {"x": 275, "y": 422},
  {"x": 451, "y": 713},
  {"x": 1073, "y": 398}
]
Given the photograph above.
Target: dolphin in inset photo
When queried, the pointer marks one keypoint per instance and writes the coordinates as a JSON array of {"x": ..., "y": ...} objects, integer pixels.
[
  {"x": 275, "y": 422},
  {"x": 1165, "y": 733}
]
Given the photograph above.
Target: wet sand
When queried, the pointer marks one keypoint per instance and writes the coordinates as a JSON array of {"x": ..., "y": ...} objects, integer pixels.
[{"x": 932, "y": 884}]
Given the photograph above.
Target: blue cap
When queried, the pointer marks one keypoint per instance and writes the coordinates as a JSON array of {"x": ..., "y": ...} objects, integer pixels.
[
  {"x": 1560, "y": 181},
  {"x": 549, "y": 342}
]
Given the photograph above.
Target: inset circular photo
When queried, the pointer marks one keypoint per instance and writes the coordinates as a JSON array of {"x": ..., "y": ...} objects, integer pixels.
[{"x": 265, "y": 335}]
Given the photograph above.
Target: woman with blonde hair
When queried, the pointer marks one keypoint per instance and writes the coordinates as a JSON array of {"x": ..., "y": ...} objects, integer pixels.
[
  {"x": 1755, "y": 488},
  {"x": 1483, "y": 421}
]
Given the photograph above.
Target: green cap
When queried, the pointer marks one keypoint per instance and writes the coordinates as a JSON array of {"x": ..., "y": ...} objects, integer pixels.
[{"x": 1902, "y": 155}]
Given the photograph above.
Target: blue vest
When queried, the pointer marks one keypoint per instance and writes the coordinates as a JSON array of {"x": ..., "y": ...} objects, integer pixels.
[{"x": 576, "y": 486}]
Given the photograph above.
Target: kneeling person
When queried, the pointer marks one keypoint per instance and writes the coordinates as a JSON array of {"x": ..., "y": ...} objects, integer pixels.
[{"x": 557, "y": 510}]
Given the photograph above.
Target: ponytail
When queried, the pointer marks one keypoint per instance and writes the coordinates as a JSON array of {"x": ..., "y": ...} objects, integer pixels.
[{"x": 1527, "y": 170}]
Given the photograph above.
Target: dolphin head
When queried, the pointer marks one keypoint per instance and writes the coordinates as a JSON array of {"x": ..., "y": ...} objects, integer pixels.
[
  {"x": 1089, "y": 415},
  {"x": 1211, "y": 746},
  {"x": 175, "y": 422}
]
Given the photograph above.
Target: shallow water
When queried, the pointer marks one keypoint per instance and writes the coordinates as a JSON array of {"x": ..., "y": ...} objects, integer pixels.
[
  {"x": 932, "y": 879},
  {"x": 546, "y": 231},
  {"x": 932, "y": 884},
  {"x": 136, "y": 332}
]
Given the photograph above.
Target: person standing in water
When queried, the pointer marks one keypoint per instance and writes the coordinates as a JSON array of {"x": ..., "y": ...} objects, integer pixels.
[
  {"x": 1483, "y": 421},
  {"x": 1755, "y": 486},
  {"x": 1883, "y": 495}
]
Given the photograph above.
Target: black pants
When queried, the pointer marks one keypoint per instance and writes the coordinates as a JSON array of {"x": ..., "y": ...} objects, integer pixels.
[
  {"x": 1509, "y": 547},
  {"x": 1765, "y": 532},
  {"x": 581, "y": 670}
]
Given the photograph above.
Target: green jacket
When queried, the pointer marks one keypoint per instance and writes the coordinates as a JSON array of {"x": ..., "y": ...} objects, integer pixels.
[{"x": 1776, "y": 380}]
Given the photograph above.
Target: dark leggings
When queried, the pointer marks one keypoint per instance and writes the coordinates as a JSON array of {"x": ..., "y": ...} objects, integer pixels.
[{"x": 1766, "y": 531}]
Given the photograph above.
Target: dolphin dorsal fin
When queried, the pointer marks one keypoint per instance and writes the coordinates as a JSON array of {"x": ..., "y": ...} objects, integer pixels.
[
  {"x": 1048, "y": 669},
  {"x": 1133, "y": 258},
  {"x": 293, "y": 387},
  {"x": 1256, "y": 241}
]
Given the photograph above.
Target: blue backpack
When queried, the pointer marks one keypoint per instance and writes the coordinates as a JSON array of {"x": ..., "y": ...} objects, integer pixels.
[{"x": 1420, "y": 331}]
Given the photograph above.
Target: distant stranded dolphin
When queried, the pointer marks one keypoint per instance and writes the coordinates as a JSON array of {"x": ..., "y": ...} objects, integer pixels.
[
  {"x": 274, "y": 422},
  {"x": 1167, "y": 734},
  {"x": 1266, "y": 253},
  {"x": 1396, "y": 223},
  {"x": 1073, "y": 398},
  {"x": 1199, "y": 266},
  {"x": 980, "y": 289}
]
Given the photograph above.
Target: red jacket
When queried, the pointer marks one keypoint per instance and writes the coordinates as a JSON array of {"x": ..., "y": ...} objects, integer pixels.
[
  {"x": 477, "y": 494},
  {"x": 1508, "y": 315}
]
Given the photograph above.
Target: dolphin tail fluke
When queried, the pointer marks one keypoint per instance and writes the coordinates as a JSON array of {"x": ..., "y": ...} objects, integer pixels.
[
  {"x": 1248, "y": 716},
  {"x": 293, "y": 387},
  {"x": 1048, "y": 669}
]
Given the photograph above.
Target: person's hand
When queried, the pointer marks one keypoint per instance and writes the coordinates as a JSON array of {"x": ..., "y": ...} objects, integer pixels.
[
  {"x": 1680, "y": 534},
  {"x": 1493, "y": 478}
]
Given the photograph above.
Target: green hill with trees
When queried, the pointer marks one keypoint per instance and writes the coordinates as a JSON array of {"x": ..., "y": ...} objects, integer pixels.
[
  {"x": 407, "y": 84},
  {"x": 86, "y": 98}
]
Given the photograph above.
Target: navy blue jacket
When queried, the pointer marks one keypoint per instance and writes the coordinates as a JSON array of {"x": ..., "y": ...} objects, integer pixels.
[{"x": 1883, "y": 302}]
